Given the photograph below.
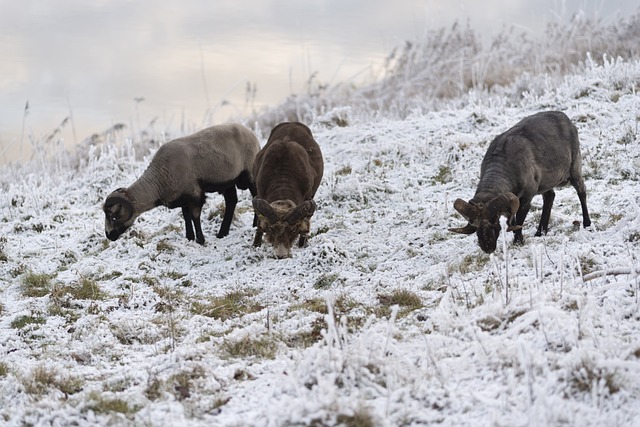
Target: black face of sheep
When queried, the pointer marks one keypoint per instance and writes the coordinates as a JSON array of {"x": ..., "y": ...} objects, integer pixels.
[
  {"x": 118, "y": 211},
  {"x": 536, "y": 155},
  {"x": 484, "y": 220},
  {"x": 283, "y": 222}
]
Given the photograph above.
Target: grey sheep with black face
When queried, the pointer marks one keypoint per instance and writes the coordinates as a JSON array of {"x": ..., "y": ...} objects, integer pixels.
[
  {"x": 538, "y": 154},
  {"x": 216, "y": 159},
  {"x": 288, "y": 171}
]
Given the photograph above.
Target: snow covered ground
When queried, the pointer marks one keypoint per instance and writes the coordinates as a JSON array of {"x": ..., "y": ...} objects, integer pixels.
[{"x": 385, "y": 319}]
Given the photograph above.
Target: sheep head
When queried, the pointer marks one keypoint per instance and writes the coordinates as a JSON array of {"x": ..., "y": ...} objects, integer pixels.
[
  {"x": 484, "y": 219},
  {"x": 119, "y": 213},
  {"x": 283, "y": 221}
]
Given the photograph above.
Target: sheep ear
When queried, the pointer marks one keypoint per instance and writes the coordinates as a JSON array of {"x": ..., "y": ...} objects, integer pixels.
[{"x": 118, "y": 212}]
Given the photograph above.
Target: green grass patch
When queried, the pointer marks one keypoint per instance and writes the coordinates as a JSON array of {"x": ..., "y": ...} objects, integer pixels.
[
  {"x": 443, "y": 176},
  {"x": 40, "y": 380},
  {"x": 345, "y": 305},
  {"x": 183, "y": 382},
  {"x": 470, "y": 263},
  {"x": 85, "y": 289},
  {"x": 174, "y": 275},
  {"x": 154, "y": 389},
  {"x": 4, "y": 369},
  {"x": 69, "y": 385},
  {"x": 316, "y": 305},
  {"x": 164, "y": 246},
  {"x": 231, "y": 305},
  {"x": 360, "y": 418},
  {"x": 101, "y": 404},
  {"x": 309, "y": 337},
  {"x": 320, "y": 230},
  {"x": 63, "y": 309},
  {"x": 149, "y": 280},
  {"x": 325, "y": 281},
  {"x": 36, "y": 284},
  {"x": 587, "y": 264},
  {"x": 113, "y": 275},
  {"x": 68, "y": 258},
  {"x": 22, "y": 322},
  {"x": 264, "y": 347},
  {"x": 343, "y": 171},
  {"x": 408, "y": 301},
  {"x": 586, "y": 375},
  {"x": 43, "y": 379}
]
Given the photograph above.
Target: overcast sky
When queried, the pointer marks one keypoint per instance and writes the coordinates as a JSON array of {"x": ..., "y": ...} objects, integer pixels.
[{"x": 95, "y": 57}]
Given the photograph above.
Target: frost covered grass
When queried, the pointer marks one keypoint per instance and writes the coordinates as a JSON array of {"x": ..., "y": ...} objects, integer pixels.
[
  {"x": 385, "y": 319},
  {"x": 449, "y": 67}
]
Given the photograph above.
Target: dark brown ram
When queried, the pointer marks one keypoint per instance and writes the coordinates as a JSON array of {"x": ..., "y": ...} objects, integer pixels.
[
  {"x": 538, "y": 154},
  {"x": 287, "y": 171},
  {"x": 216, "y": 159}
]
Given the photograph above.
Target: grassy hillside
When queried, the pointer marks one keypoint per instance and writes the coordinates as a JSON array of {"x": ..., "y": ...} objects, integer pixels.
[{"x": 385, "y": 319}]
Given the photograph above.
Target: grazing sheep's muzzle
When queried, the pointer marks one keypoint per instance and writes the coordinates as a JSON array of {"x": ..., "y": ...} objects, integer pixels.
[
  {"x": 282, "y": 251},
  {"x": 487, "y": 247},
  {"x": 112, "y": 235}
]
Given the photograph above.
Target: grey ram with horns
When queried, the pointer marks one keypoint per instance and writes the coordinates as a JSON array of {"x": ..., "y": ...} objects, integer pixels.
[
  {"x": 288, "y": 171},
  {"x": 538, "y": 154},
  {"x": 216, "y": 159}
]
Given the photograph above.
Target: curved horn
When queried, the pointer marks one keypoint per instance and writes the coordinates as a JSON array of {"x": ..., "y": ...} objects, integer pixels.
[
  {"x": 303, "y": 210},
  {"x": 499, "y": 204},
  {"x": 466, "y": 209},
  {"x": 262, "y": 207},
  {"x": 467, "y": 229}
]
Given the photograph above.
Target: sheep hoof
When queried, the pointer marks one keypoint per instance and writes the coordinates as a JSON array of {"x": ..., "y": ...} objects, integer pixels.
[{"x": 518, "y": 241}]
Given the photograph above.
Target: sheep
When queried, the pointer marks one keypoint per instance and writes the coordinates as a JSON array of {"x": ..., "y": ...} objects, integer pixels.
[
  {"x": 216, "y": 159},
  {"x": 288, "y": 171},
  {"x": 538, "y": 154}
]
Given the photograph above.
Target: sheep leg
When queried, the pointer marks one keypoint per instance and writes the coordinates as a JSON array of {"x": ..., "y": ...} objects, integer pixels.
[
  {"x": 257, "y": 241},
  {"x": 520, "y": 216},
  {"x": 244, "y": 182},
  {"x": 578, "y": 184},
  {"x": 304, "y": 239},
  {"x": 230, "y": 201},
  {"x": 586, "y": 221},
  {"x": 547, "y": 203},
  {"x": 196, "y": 222},
  {"x": 254, "y": 192},
  {"x": 186, "y": 213}
]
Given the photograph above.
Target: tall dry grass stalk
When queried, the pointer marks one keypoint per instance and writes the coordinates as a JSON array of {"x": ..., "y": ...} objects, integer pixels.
[{"x": 447, "y": 64}]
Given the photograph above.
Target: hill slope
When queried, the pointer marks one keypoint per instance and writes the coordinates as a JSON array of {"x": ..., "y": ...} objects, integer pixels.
[{"x": 385, "y": 319}]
